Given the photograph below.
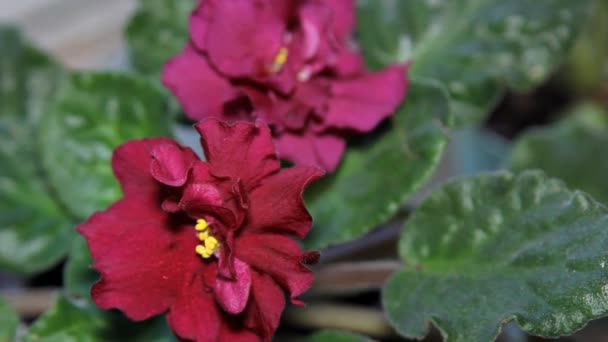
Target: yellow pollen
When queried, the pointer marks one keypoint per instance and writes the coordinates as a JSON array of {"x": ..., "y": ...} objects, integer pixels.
[
  {"x": 209, "y": 243},
  {"x": 279, "y": 59},
  {"x": 201, "y": 224}
]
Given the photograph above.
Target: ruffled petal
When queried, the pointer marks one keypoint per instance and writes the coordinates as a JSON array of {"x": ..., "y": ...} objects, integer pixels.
[
  {"x": 131, "y": 164},
  {"x": 171, "y": 164},
  {"x": 361, "y": 103},
  {"x": 142, "y": 262},
  {"x": 297, "y": 148},
  {"x": 329, "y": 149},
  {"x": 292, "y": 112},
  {"x": 195, "y": 315},
  {"x": 239, "y": 151},
  {"x": 198, "y": 23},
  {"x": 231, "y": 334},
  {"x": 277, "y": 205},
  {"x": 103, "y": 229},
  {"x": 266, "y": 306},
  {"x": 278, "y": 256},
  {"x": 309, "y": 148},
  {"x": 317, "y": 44},
  {"x": 349, "y": 62},
  {"x": 233, "y": 294},
  {"x": 204, "y": 201},
  {"x": 344, "y": 20},
  {"x": 244, "y": 36},
  {"x": 200, "y": 90}
]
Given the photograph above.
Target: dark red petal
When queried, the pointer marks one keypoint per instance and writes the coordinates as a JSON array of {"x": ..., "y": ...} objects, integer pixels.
[
  {"x": 277, "y": 206},
  {"x": 343, "y": 16},
  {"x": 201, "y": 194},
  {"x": 233, "y": 294},
  {"x": 241, "y": 150},
  {"x": 143, "y": 271},
  {"x": 195, "y": 315},
  {"x": 278, "y": 256},
  {"x": 360, "y": 103},
  {"x": 200, "y": 90},
  {"x": 171, "y": 163},
  {"x": 131, "y": 164},
  {"x": 233, "y": 334},
  {"x": 266, "y": 306},
  {"x": 201, "y": 174},
  {"x": 244, "y": 36},
  {"x": 104, "y": 228},
  {"x": 203, "y": 201}
]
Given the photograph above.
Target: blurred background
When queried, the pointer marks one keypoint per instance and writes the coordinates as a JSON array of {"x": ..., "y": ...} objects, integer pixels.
[{"x": 80, "y": 33}]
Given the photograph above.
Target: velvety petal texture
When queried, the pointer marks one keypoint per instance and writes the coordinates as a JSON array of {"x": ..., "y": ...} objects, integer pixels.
[
  {"x": 208, "y": 243},
  {"x": 199, "y": 88},
  {"x": 289, "y": 63}
]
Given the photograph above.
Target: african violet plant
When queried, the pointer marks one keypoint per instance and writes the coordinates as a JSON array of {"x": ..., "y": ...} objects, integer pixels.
[{"x": 302, "y": 139}]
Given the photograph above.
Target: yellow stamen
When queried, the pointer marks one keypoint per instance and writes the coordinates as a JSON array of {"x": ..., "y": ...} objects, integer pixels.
[
  {"x": 209, "y": 242},
  {"x": 201, "y": 224},
  {"x": 279, "y": 60},
  {"x": 200, "y": 249}
]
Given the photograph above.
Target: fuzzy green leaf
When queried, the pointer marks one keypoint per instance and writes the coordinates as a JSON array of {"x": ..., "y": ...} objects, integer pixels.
[
  {"x": 473, "y": 47},
  {"x": 78, "y": 275},
  {"x": 34, "y": 230},
  {"x": 9, "y": 321},
  {"x": 376, "y": 177},
  {"x": 571, "y": 150},
  {"x": 80, "y": 321},
  {"x": 484, "y": 250},
  {"x": 156, "y": 32},
  {"x": 93, "y": 114}
]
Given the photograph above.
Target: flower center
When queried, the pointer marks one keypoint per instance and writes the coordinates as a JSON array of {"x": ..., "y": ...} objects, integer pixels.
[
  {"x": 279, "y": 60},
  {"x": 209, "y": 243}
]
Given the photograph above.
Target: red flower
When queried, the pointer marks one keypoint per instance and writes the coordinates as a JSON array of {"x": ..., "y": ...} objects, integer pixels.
[
  {"x": 209, "y": 243},
  {"x": 293, "y": 63}
]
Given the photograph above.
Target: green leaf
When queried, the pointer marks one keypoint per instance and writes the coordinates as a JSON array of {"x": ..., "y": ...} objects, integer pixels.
[
  {"x": 66, "y": 321},
  {"x": 156, "y": 32},
  {"x": 336, "y": 336},
  {"x": 588, "y": 63},
  {"x": 34, "y": 230},
  {"x": 485, "y": 250},
  {"x": 569, "y": 150},
  {"x": 93, "y": 114},
  {"x": 78, "y": 276},
  {"x": 80, "y": 321},
  {"x": 9, "y": 321},
  {"x": 375, "y": 178},
  {"x": 28, "y": 78},
  {"x": 473, "y": 47}
]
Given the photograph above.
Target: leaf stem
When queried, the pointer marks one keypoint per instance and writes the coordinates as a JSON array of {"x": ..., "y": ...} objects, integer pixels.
[
  {"x": 381, "y": 242},
  {"x": 30, "y": 302},
  {"x": 353, "y": 318},
  {"x": 352, "y": 277}
]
